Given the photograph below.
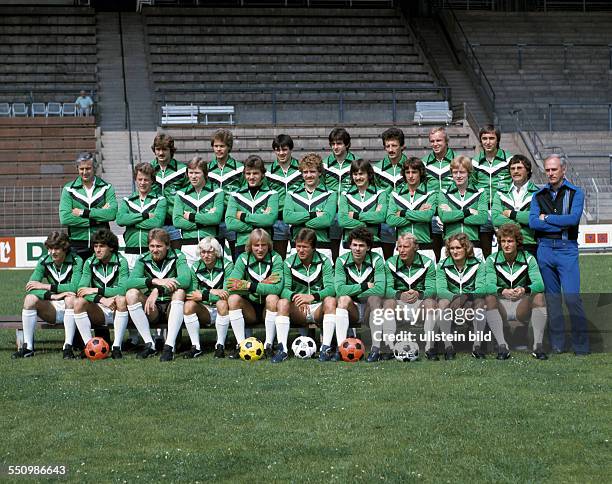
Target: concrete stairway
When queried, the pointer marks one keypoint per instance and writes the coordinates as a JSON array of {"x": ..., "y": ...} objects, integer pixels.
[{"x": 462, "y": 88}]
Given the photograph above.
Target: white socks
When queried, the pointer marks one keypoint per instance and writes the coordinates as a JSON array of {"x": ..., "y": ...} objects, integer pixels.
[
  {"x": 496, "y": 323},
  {"x": 342, "y": 324},
  {"x": 429, "y": 328},
  {"x": 28, "y": 320},
  {"x": 480, "y": 323},
  {"x": 282, "y": 331},
  {"x": 538, "y": 324},
  {"x": 192, "y": 324},
  {"x": 120, "y": 324},
  {"x": 237, "y": 321},
  {"x": 329, "y": 325},
  {"x": 270, "y": 327},
  {"x": 141, "y": 322},
  {"x": 84, "y": 324},
  {"x": 222, "y": 325},
  {"x": 175, "y": 320},
  {"x": 69, "y": 327}
]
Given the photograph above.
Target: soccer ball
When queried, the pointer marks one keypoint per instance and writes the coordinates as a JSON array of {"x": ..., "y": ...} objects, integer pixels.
[
  {"x": 406, "y": 351},
  {"x": 304, "y": 347},
  {"x": 352, "y": 349},
  {"x": 251, "y": 349},
  {"x": 96, "y": 349}
]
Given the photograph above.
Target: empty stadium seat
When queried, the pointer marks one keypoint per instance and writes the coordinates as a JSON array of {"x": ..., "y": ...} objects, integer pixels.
[
  {"x": 39, "y": 109},
  {"x": 69, "y": 109},
  {"x": 5, "y": 109},
  {"x": 20, "y": 109},
  {"x": 54, "y": 109}
]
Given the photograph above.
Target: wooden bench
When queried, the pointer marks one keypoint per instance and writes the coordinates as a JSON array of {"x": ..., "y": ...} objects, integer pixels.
[{"x": 433, "y": 112}]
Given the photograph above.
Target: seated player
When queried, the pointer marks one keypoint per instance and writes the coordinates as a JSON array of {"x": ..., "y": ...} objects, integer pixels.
[
  {"x": 462, "y": 207},
  {"x": 412, "y": 206},
  {"x": 101, "y": 296},
  {"x": 308, "y": 292},
  {"x": 156, "y": 292},
  {"x": 140, "y": 212},
  {"x": 86, "y": 204},
  {"x": 284, "y": 176},
  {"x": 254, "y": 286},
  {"x": 359, "y": 276},
  {"x": 52, "y": 300},
  {"x": 170, "y": 176},
  {"x": 512, "y": 205},
  {"x": 460, "y": 285},
  {"x": 389, "y": 177},
  {"x": 254, "y": 205},
  {"x": 515, "y": 290},
  {"x": 411, "y": 283},
  {"x": 198, "y": 209},
  {"x": 363, "y": 205},
  {"x": 206, "y": 297},
  {"x": 311, "y": 205}
]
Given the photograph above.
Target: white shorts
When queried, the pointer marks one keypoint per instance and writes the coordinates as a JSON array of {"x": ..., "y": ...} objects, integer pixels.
[
  {"x": 410, "y": 310},
  {"x": 60, "y": 309},
  {"x": 212, "y": 311},
  {"x": 510, "y": 307},
  {"x": 311, "y": 310},
  {"x": 109, "y": 314},
  {"x": 192, "y": 254}
]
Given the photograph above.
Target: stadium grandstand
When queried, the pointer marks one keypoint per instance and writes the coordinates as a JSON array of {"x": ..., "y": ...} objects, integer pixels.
[{"x": 540, "y": 70}]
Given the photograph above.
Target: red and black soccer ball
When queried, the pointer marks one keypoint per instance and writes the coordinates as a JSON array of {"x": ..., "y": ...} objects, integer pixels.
[
  {"x": 352, "y": 350},
  {"x": 97, "y": 349}
]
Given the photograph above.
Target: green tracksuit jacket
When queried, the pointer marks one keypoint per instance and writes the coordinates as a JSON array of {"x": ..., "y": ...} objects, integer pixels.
[
  {"x": 229, "y": 178},
  {"x": 316, "y": 279},
  {"x": 248, "y": 268},
  {"x": 389, "y": 176},
  {"x": 419, "y": 276},
  {"x": 301, "y": 209},
  {"x": 492, "y": 176},
  {"x": 94, "y": 216},
  {"x": 109, "y": 278},
  {"x": 523, "y": 272},
  {"x": 62, "y": 279},
  {"x": 202, "y": 222},
  {"x": 338, "y": 176},
  {"x": 451, "y": 282},
  {"x": 353, "y": 281},
  {"x": 459, "y": 219},
  {"x": 168, "y": 181},
  {"x": 284, "y": 182},
  {"x": 364, "y": 208},
  {"x": 134, "y": 213},
  {"x": 204, "y": 279},
  {"x": 519, "y": 205},
  {"x": 411, "y": 219},
  {"x": 438, "y": 172}
]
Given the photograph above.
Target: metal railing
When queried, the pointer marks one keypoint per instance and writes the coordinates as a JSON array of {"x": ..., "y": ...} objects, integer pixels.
[
  {"x": 128, "y": 122},
  {"x": 341, "y": 97},
  {"x": 530, "y": 6},
  {"x": 596, "y": 192}
]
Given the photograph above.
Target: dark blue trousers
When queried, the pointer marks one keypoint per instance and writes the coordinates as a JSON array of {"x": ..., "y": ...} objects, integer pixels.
[{"x": 558, "y": 261}]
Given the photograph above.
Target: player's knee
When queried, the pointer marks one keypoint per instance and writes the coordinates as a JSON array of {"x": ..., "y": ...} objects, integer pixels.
[
  {"x": 389, "y": 304},
  {"x": 491, "y": 302},
  {"x": 539, "y": 301},
  {"x": 178, "y": 295},
  {"x": 344, "y": 301},
  {"x": 132, "y": 296},
  {"x": 30, "y": 301},
  {"x": 190, "y": 307},
  {"x": 329, "y": 305},
  {"x": 271, "y": 302},
  {"x": 283, "y": 307},
  {"x": 80, "y": 303},
  {"x": 69, "y": 301},
  {"x": 234, "y": 301},
  {"x": 222, "y": 307},
  {"x": 121, "y": 303},
  {"x": 375, "y": 302}
]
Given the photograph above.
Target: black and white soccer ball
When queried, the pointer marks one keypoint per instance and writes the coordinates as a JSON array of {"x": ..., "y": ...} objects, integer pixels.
[
  {"x": 304, "y": 347},
  {"x": 406, "y": 351}
]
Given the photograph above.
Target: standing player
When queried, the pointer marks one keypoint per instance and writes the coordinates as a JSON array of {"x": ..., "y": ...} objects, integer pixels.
[
  {"x": 515, "y": 290},
  {"x": 359, "y": 275},
  {"x": 254, "y": 286},
  {"x": 198, "y": 209},
  {"x": 411, "y": 283},
  {"x": 437, "y": 166},
  {"x": 337, "y": 176},
  {"x": 140, "y": 212},
  {"x": 308, "y": 292},
  {"x": 254, "y": 205},
  {"x": 389, "y": 177},
  {"x": 312, "y": 205},
  {"x": 156, "y": 292},
  {"x": 555, "y": 216},
  {"x": 363, "y": 205},
  {"x": 512, "y": 205},
  {"x": 101, "y": 295},
  {"x": 284, "y": 176},
  {"x": 460, "y": 285},
  {"x": 52, "y": 301},
  {"x": 224, "y": 173},
  {"x": 411, "y": 206},
  {"x": 462, "y": 206},
  {"x": 490, "y": 173},
  {"x": 207, "y": 298},
  {"x": 86, "y": 205},
  {"x": 170, "y": 176}
]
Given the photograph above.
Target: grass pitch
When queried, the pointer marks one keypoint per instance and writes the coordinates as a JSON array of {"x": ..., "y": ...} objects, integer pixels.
[{"x": 221, "y": 420}]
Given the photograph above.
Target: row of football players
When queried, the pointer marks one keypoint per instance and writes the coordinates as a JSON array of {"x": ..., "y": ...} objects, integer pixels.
[
  {"x": 433, "y": 198},
  {"x": 305, "y": 288}
]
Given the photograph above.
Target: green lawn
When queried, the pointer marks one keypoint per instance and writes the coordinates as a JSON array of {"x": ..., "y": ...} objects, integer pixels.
[{"x": 201, "y": 420}]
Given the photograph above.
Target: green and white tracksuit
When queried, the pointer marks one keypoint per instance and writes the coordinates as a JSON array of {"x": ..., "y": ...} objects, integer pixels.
[
  {"x": 389, "y": 176},
  {"x": 204, "y": 279},
  {"x": 252, "y": 204},
  {"x": 411, "y": 219},
  {"x": 284, "y": 182},
  {"x": 228, "y": 178},
  {"x": 134, "y": 214},
  {"x": 439, "y": 176},
  {"x": 202, "y": 222},
  {"x": 492, "y": 175},
  {"x": 168, "y": 181},
  {"x": 518, "y": 201},
  {"x": 338, "y": 175},
  {"x": 364, "y": 207},
  {"x": 301, "y": 209},
  {"x": 419, "y": 276},
  {"x": 95, "y": 215},
  {"x": 317, "y": 279},
  {"x": 459, "y": 219}
]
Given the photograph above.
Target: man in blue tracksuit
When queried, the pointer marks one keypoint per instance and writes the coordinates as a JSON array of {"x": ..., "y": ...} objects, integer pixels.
[{"x": 555, "y": 215}]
